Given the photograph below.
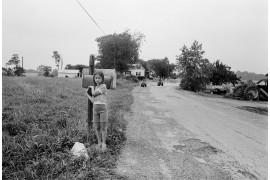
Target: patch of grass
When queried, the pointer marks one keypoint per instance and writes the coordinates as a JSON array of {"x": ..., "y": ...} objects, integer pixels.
[{"x": 43, "y": 117}]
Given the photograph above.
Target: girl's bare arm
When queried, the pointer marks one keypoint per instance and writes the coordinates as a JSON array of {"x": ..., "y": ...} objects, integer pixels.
[
  {"x": 95, "y": 93},
  {"x": 102, "y": 89},
  {"x": 89, "y": 97}
]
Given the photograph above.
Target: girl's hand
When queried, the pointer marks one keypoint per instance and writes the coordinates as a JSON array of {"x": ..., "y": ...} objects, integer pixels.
[
  {"x": 89, "y": 97},
  {"x": 89, "y": 91}
]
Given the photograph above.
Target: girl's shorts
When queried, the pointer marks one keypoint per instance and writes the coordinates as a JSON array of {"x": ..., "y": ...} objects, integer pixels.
[{"x": 100, "y": 113}]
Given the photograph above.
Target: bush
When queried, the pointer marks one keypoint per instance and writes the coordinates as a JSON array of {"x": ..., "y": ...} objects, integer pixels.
[
  {"x": 193, "y": 84},
  {"x": 132, "y": 79},
  {"x": 46, "y": 73},
  {"x": 120, "y": 76}
]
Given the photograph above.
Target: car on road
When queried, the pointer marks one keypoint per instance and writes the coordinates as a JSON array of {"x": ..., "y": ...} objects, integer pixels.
[{"x": 143, "y": 84}]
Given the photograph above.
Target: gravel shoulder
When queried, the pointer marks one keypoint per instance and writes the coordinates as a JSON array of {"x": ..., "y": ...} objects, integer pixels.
[{"x": 174, "y": 134}]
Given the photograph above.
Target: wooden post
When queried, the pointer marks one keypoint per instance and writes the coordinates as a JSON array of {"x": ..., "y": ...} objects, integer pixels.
[{"x": 90, "y": 104}]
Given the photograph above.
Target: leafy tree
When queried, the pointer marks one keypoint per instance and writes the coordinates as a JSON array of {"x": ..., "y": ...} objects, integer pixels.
[
  {"x": 98, "y": 65},
  {"x": 7, "y": 72},
  {"x": 58, "y": 59},
  {"x": 69, "y": 66},
  {"x": 44, "y": 70},
  {"x": 221, "y": 74},
  {"x": 80, "y": 67},
  {"x": 17, "y": 70},
  {"x": 195, "y": 70},
  {"x": 77, "y": 66},
  {"x": 14, "y": 60},
  {"x": 161, "y": 67},
  {"x": 119, "y": 50},
  {"x": 47, "y": 70}
]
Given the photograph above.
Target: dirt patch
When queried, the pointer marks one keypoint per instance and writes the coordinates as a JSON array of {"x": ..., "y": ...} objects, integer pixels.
[
  {"x": 258, "y": 110},
  {"x": 197, "y": 148}
]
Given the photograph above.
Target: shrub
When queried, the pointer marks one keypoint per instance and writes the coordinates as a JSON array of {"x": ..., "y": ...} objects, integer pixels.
[
  {"x": 193, "y": 84},
  {"x": 132, "y": 79}
]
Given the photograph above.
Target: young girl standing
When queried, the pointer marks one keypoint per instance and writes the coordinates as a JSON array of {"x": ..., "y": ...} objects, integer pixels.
[{"x": 100, "y": 113}]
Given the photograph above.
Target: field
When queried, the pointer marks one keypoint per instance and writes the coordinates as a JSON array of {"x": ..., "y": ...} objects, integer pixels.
[{"x": 43, "y": 117}]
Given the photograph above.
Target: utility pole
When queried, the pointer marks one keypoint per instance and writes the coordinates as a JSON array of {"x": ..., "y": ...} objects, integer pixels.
[
  {"x": 90, "y": 104},
  {"x": 114, "y": 58},
  {"x": 168, "y": 68},
  {"x": 114, "y": 63},
  {"x": 22, "y": 61}
]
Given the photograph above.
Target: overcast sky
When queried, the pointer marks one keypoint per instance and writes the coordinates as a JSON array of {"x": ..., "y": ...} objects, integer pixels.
[{"x": 233, "y": 31}]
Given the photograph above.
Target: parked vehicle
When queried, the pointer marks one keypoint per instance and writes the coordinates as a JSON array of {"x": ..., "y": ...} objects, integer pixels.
[
  {"x": 143, "y": 84},
  {"x": 252, "y": 91}
]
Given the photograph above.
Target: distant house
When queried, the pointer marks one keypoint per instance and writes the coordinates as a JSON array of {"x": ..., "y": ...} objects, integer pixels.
[
  {"x": 176, "y": 71},
  {"x": 106, "y": 72},
  {"x": 135, "y": 70},
  {"x": 68, "y": 73}
]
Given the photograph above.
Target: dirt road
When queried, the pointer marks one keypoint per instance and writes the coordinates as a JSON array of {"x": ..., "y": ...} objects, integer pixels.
[{"x": 175, "y": 134}]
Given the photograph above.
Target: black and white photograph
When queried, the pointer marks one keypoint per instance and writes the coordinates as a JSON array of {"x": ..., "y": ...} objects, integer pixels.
[{"x": 134, "y": 89}]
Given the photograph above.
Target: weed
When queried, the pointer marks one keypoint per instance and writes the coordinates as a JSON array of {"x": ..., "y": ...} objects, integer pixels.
[{"x": 42, "y": 118}]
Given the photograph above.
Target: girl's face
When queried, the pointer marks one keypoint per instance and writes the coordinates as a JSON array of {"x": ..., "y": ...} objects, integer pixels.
[{"x": 98, "y": 79}]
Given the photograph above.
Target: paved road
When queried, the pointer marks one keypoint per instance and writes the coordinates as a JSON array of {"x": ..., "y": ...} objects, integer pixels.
[{"x": 174, "y": 134}]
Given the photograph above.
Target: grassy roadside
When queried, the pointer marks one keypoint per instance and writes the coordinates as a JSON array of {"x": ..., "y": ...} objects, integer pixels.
[{"x": 41, "y": 120}]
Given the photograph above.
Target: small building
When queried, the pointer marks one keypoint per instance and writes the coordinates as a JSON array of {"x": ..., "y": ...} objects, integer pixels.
[
  {"x": 106, "y": 72},
  {"x": 135, "y": 70},
  {"x": 68, "y": 73}
]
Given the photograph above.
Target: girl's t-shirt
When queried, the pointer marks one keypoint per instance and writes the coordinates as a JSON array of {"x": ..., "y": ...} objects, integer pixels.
[{"x": 102, "y": 97}]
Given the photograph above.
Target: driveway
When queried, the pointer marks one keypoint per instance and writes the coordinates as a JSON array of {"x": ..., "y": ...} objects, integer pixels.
[{"x": 176, "y": 134}]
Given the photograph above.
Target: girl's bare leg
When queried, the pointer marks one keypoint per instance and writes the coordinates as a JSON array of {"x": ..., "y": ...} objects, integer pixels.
[
  {"x": 104, "y": 131},
  {"x": 98, "y": 132}
]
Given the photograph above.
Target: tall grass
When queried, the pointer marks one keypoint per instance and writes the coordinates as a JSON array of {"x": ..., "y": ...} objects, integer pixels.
[{"x": 42, "y": 118}]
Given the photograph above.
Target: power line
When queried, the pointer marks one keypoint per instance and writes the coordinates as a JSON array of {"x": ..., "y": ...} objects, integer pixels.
[{"x": 90, "y": 17}]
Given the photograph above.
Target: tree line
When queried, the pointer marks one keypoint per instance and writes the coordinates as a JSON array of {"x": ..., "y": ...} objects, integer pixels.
[
  {"x": 245, "y": 75},
  {"x": 14, "y": 67},
  {"x": 120, "y": 51}
]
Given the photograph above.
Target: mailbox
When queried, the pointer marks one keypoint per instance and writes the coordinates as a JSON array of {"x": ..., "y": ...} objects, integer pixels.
[{"x": 87, "y": 81}]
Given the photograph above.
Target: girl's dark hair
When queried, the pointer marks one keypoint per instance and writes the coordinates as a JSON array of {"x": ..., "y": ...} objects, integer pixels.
[{"x": 101, "y": 75}]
